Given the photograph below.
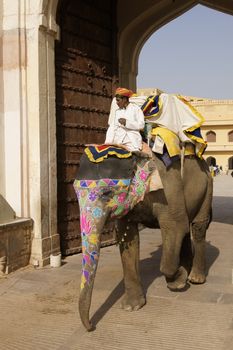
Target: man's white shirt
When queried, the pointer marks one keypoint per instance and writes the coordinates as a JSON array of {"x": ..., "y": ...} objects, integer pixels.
[{"x": 129, "y": 134}]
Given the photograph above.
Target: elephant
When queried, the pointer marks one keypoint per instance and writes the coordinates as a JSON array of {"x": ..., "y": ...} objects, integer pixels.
[{"x": 181, "y": 210}]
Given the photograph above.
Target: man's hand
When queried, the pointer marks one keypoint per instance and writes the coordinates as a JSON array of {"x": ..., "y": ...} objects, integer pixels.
[{"x": 122, "y": 121}]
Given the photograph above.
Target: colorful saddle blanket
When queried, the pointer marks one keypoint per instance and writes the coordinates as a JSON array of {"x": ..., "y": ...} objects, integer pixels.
[{"x": 97, "y": 153}]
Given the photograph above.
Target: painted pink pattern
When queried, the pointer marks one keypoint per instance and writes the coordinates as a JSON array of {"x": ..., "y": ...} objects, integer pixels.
[
  {"x": 86, "y": 259},
  {"x": 85, "y": 224},
  {"x": 121, "y": 197},
  {"x": 126, "y": 198},
  {"x": 143, "y": 175},
  {"x": 90, "y": 238}
]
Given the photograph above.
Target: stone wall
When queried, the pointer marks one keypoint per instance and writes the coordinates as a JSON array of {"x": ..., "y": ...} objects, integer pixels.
[{"x": 15, "y": 245}]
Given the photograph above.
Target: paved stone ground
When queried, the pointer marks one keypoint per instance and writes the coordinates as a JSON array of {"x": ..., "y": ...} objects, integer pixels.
[{"x": 39, "y": 307}]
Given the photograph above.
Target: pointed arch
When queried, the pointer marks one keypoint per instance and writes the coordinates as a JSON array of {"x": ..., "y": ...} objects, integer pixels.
[
  {"x": 211, "y": 161},
  {"x": 136, "y": 31},
  {"x": 230, "y": 163}
]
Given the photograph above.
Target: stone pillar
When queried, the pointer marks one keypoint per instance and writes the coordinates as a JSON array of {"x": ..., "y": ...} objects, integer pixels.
[
  {"x": 128, "y": 78},
  {"x": 42, "y": 135}
]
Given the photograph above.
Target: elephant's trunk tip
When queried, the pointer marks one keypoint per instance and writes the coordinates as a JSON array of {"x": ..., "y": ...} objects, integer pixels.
[
  {"x": 84, "y": 306},
  {"x": 88, "y": 325}
]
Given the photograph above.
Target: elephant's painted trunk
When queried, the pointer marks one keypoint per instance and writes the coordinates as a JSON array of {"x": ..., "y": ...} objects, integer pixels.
[
  {"x": 92, "y": 220},
  {"x": 85, "y": 303},
  {"x": 90, "y": 231}
]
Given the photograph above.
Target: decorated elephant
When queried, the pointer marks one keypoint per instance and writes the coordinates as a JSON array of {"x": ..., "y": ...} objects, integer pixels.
[{"x": 112, "y": 190}]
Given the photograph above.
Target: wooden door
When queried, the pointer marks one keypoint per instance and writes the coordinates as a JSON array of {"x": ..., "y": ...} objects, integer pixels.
[{"x": 86, "y": 76}]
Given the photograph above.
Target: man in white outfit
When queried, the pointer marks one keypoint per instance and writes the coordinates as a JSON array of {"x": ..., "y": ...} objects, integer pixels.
[{"x": 125, "y": 122}]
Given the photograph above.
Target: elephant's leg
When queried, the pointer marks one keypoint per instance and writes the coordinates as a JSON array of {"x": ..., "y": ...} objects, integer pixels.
[
  {"x": 128, "y": 237},
  {"x": 186, "y": 254},
  {"x": 174, "y": 194},
  {"x": 92, "y": 219},
  {"x": 179, "y": 280},
  {"x": 197, "y": 274},
  {"x": 176, "y": 275},
  {"x": 174, "y": 224},
  {"x": 199, "y": 228}
]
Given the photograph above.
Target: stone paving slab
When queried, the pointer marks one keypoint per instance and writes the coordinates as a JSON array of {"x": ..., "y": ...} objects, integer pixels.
[{"x": 39, "y": 307}]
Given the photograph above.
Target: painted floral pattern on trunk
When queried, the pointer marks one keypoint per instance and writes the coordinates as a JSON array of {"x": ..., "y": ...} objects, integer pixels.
[
  {"x": 100, "y": 198},
  {"x": 89, "y": 194}
]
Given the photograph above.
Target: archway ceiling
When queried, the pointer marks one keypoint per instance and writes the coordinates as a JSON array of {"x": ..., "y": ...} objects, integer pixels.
[
  {"x": 138, "y": 20},
  {"x": 131, "y": 9}
]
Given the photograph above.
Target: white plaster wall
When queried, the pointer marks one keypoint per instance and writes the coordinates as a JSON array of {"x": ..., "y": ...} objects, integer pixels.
[
  {"x": 2, "y": 140},
  {"x": 11, "y": 65}
]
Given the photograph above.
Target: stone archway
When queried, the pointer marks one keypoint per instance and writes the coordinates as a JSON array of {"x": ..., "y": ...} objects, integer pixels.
[
  {"x": 230, "y": 163},
  {"x": 135, "y": 26},
  {"x": 134, "y": 29},
  {"x": 211, "y": 161}
]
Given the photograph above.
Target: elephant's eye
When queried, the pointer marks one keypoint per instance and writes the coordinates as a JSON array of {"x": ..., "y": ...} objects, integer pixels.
[{"x": 106, "y": 194}]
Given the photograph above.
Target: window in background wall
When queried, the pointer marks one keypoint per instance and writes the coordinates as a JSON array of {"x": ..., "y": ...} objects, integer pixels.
[
  {"x": 210, "y": 136},
  {"x": 230, "y": 136}
]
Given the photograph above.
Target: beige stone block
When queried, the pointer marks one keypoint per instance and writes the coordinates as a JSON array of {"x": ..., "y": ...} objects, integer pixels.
[
  {"x": 15, "y": 244},
  {"x": 14, "y": 53}
]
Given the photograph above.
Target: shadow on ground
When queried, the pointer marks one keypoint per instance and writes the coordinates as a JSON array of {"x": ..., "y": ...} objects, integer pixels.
[
  {"x": 223, "y": 209},
  {"x": 149, "y": 269}
]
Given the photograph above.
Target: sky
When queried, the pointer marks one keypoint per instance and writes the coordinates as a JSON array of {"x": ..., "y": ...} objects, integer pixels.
[{"x": 191, "y": 55}]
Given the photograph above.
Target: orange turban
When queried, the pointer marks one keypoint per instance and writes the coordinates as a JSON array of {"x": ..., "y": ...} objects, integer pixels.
[{"x": 124, "y": 92}]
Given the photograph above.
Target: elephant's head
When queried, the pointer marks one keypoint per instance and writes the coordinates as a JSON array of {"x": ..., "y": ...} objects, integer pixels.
[{"x": 107, "y": 195}]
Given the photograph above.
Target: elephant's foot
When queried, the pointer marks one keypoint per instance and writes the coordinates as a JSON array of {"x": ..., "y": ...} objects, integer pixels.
[
  {"x": 179, "y": 281},
  {"x": 132, "y": 303},
  {"x": 196, "y": 277}
]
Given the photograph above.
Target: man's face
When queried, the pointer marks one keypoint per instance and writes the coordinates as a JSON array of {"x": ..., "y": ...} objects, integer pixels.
[{"x": 122, "y": 102}]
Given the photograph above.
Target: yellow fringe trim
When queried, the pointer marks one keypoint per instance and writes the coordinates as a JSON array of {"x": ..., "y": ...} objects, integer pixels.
[
  {"x": 92, "y": 159},
  {"x": 198, "y": 114}
]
